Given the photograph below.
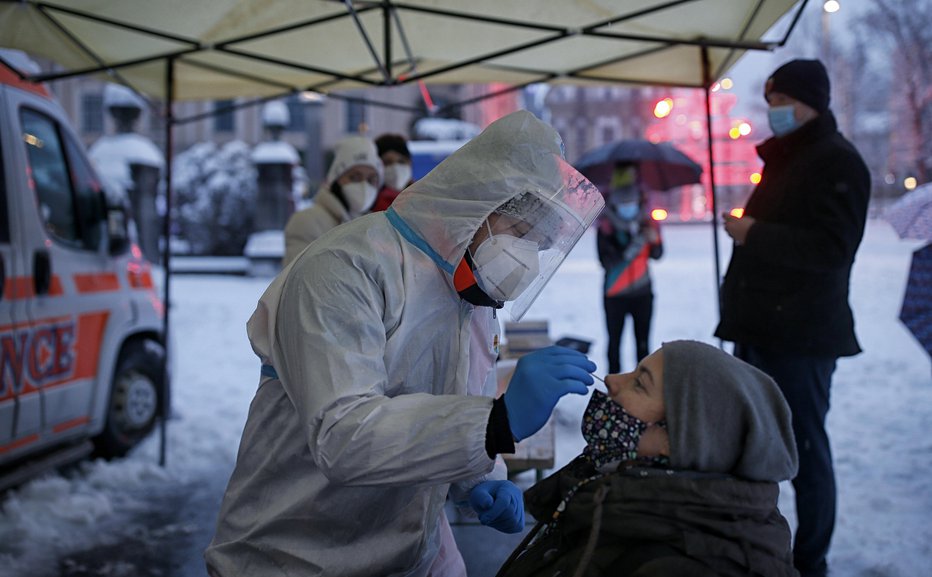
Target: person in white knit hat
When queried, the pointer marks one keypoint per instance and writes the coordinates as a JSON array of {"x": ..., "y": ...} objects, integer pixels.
[{"x": 349, "y": 190}]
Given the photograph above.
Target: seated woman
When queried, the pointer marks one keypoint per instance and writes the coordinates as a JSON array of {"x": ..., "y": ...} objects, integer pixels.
[{"x": 679, "y": 476}]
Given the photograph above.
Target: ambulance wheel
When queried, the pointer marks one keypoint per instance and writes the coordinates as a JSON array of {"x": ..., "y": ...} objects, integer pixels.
[{"x": 134, "y": 398}]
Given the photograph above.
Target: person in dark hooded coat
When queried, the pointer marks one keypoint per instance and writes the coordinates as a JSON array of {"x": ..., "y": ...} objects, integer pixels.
[{"x": 679, "y": 476}]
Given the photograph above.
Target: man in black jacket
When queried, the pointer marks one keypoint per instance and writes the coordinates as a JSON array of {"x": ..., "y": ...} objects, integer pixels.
[{"x": 785, "y": 294}]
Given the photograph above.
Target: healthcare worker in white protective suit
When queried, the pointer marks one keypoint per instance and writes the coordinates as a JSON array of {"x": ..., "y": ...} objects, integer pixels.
[
  {"x": 378, "y": 346},
  {"x": 350, "y": 189}
]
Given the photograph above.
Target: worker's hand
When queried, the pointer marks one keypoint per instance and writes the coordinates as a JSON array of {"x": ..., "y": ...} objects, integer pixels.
[
  {"x": 737, "y": 228},
  {"x": 540, "y": 379},
  {"x": 499, "y": 504}
]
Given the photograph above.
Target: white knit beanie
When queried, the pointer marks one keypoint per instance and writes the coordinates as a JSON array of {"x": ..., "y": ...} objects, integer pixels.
[{"x": 354, "y": 151}]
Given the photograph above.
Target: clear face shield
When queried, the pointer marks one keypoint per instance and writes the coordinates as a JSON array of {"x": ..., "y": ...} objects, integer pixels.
[{"x": 529, "y": 237}]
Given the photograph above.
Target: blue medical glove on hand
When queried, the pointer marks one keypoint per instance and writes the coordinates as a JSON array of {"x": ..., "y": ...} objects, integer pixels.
[
  {"x": 540, "y": 379},
  {"x": 499, "y": 504}
]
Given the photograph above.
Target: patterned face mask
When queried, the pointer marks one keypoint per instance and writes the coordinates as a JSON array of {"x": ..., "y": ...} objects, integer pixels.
[{"x": 611, "y": 432}]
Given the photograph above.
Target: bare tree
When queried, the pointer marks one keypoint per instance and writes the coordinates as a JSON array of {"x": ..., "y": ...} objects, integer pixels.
[{"x": 904, "y": 26}]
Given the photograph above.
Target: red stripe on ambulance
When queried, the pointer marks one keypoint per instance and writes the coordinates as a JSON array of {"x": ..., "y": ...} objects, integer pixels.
[
  {"x": 23, "y": 287},
  {"x": 97, "y": 282},
  {"x": 19, "y": 443},
  {"x": 49, "y": 353},
  {"x": 70, "y": 424}
]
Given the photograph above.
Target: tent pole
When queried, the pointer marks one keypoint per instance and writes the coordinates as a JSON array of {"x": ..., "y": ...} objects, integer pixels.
[
  {"x": 707, "y": 84},
  {"x": 166, "y": 254}
]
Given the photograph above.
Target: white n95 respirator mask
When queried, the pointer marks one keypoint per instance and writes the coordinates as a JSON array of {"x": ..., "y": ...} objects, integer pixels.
[
  {"x": 505, "y": 266},
  {"x": 397, "y": 175},
  {"x": 360, "y": 196}
]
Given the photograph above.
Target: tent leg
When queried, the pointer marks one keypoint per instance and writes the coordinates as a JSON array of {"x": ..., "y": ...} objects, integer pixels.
[
  {"x": 707, "y": 84},
  {"x": 166, "y": 256}
]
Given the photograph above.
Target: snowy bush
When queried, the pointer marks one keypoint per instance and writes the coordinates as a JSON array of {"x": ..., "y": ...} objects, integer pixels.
[{"x": 214, "y": 197}]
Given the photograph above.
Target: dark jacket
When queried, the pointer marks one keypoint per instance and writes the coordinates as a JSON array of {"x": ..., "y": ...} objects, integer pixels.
[
  {"x": 786, "y": 287},
  {"x": 655, "y": 522},
  {"x": 624, "y": 255}
]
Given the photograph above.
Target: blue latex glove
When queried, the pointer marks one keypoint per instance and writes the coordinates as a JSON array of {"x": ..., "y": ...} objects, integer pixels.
[
  {"x": 500, "y": 505},
  {"x": 540, "y": 379}
]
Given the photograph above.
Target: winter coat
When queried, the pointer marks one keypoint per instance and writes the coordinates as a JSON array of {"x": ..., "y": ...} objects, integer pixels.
[
  {"x": 306, "y": 226},
  {"x": 714, "y": 513},
  {"x": 787, "y": 285},
  {"x": 386, "y": 196},
  {"x": 653, "y": 523},
  {"x": 624, "y": 255},
  {"x": 377, "y": 402}
]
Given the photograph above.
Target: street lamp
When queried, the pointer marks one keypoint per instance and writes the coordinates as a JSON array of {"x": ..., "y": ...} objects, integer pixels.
[{"x": 829, "y": 7}]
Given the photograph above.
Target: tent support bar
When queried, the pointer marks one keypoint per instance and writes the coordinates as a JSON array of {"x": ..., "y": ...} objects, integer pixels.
[
  {"x": 792, "y": 26},
  {"x": 365, "y": 38},
  {"x": 107, "y": 67},
  {"x": 707, "y": 81},
  {"x": 115, "y": 23},
  {"x": 484, "y": 57},
  {"x": 387, "y": 36},
  {"x": 166, "y": 253},
  {"x": 304, "y": 67}
]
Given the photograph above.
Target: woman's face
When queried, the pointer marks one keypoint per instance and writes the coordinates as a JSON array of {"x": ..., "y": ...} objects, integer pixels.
[
  {"x": 640, "y": 392},
  {"x": 360, "y": 173}
]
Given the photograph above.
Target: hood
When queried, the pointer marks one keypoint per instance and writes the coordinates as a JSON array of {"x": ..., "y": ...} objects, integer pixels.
[
  {"x": 724, "y": 415},
  {"x": 512, "y": 155}
]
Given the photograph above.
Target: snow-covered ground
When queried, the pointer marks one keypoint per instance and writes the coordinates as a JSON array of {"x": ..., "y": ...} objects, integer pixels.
[{"x": 65, "y": 524}]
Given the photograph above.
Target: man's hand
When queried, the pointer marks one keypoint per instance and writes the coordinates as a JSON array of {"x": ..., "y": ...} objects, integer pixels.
[{"x": 737, "y": 228}]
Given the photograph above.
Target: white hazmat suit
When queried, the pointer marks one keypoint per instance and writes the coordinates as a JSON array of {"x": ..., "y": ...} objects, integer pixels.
[{"x": 375, "y": 398}]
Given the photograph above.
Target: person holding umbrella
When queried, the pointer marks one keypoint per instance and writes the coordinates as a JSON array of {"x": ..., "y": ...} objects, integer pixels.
[
  {"x": 911, "y": 218},
  {"x": 626, "y": 239},
  {"x": 784, "y": 299}
]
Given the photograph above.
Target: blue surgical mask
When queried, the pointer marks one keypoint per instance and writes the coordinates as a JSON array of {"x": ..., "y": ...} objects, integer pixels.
[
  {"x": 782, "y": 120},
  {"x": 627, "y": 210}
]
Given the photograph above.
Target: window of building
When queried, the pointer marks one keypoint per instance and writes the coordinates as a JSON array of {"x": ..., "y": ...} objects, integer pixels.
[
  {"x": 608, "y": 134},
  {"x": 92, "y": 112},
  {"x": 224, "y": 117},
  {"x": 355, "y": 115},
  {"x": 295, "y": 114},
  {"x": 156, "y": 122}
]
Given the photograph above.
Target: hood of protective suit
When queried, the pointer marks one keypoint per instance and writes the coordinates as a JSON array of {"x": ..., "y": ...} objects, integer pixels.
[{"x": 514, "y": 154}]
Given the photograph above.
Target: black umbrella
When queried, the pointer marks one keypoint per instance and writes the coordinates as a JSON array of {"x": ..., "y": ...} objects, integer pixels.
[
  {"x": 916, "y": 312},
  {"x": 661, "y": 166}
]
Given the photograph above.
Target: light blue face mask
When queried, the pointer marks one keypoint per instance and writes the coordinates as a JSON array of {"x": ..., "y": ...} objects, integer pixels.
[
  {"x": 782, "y": 120},
  {"x": 627, "y": 210}
]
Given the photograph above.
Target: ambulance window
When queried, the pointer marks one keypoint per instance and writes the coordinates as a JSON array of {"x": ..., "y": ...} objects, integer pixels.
[
  {"x": 91, "y": 209},
  {"x": 48, "y": 177}
]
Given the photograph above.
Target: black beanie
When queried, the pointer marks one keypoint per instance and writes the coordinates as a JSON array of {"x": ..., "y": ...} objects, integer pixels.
[
  {"x": 803, "y": 80},
  {"x": 394, "y": 142}
]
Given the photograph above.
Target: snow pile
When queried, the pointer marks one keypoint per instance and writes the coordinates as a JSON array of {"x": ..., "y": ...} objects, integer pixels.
[{"x": 881, "y": 413}]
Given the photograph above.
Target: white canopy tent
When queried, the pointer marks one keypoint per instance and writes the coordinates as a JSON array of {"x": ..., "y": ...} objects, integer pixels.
[{"x": 220, "y": 49}]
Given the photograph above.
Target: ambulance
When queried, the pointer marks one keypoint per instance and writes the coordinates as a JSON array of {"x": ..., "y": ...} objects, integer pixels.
[{"x": 82, "y": 358}]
